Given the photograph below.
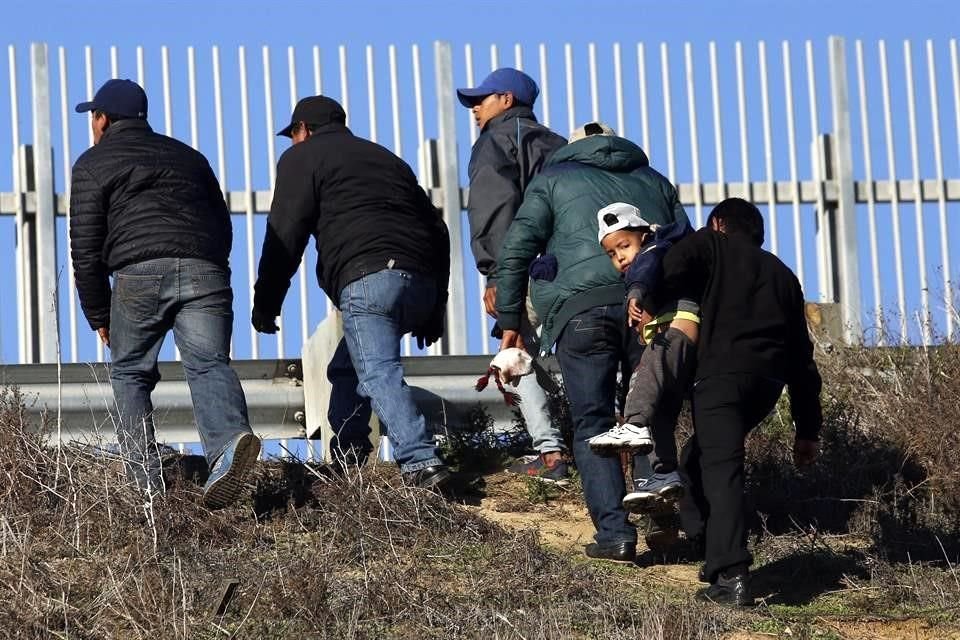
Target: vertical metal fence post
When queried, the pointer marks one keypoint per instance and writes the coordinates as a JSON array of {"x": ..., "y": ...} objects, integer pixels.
[
  {"x": 455, "y": 341},
  {"x": 46, "y": 230},
  {"x": 847, "y": 260}
]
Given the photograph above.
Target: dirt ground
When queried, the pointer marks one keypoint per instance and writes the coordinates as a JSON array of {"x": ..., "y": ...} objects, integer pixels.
[{"x": 563, "y": 524}]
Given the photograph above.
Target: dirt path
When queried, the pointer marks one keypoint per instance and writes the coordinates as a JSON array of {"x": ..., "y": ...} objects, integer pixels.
[{"x": 563, "y": 524}]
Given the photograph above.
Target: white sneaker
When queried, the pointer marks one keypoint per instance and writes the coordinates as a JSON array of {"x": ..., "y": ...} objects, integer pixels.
[{"x": 625, "y": 436}]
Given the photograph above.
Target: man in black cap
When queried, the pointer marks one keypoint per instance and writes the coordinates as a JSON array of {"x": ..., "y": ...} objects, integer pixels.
[
  {"x": 510, "y": 151},
  {"x": 383, "y": 258},
  {"x": 148, "y": 210}
]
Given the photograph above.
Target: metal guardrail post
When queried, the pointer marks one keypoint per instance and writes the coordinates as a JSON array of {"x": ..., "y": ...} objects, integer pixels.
[
  {"x": 846, "y": 256},
  {"x": 455, "y": 340},
  {"x": 45, "y": 249}
]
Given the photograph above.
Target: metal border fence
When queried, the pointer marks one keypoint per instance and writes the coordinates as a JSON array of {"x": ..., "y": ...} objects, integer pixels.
[{"x": 800, "y": 141}]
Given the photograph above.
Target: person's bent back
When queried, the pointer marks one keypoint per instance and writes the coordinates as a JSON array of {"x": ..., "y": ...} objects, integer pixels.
[{"x": 371, "y": 211}]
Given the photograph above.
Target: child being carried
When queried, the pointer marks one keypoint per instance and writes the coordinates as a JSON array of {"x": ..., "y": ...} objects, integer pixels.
[{"x": 669, "y": 328}]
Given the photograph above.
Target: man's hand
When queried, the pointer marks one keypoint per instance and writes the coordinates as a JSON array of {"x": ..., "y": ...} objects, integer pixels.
[
  {"x": 263, "y": 322},
  {"x": 433, "y": 329},
  {"x": 104, "y": 334},
  {"x": 805, "y": 452},
  {"x": 490, "y": 300},
  {"x": 512, "y": 339}
]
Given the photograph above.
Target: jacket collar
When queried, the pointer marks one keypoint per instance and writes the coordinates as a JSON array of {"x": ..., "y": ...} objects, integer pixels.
[
  {"x": 126, "y": 125},
  {"x": 331, "y": 127},
  {"x": 512, "y": 113}
]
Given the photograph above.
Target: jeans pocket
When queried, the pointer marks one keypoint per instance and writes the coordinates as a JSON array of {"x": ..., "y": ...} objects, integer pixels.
[
  {"x": 385, "y": 290},
  {"x": 138, "y": 297}
]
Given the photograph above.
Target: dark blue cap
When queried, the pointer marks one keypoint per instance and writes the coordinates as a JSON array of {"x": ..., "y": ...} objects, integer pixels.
[
  {"x": 119, "y": 98},
  {"x": 503, "y": 80}
]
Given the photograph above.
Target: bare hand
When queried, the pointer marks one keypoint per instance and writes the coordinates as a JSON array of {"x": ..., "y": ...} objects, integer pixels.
[
  {"x": 637, "y": 317},
  {"x": 490, "y": 300},
  {"x": 805, "y": 452},
  {"x": 512, "y": 339},
  {"x": 104, "y": 334}
]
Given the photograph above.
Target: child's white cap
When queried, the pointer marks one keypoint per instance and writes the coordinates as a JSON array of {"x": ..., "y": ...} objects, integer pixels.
[{"x": 617, "y": 216}]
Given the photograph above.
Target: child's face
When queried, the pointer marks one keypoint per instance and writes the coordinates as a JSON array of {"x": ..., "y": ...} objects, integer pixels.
[{"x": 623, "y": 246}]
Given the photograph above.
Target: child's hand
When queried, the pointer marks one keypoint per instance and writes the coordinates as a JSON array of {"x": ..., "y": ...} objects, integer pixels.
[{"x": 636, "y": 316}]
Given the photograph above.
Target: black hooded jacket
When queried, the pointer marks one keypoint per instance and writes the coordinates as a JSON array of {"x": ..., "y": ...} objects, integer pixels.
[
  {"x": 364, "y": 207},
  {"x": 752, "y": 316},
  {"x": 136, "y": 196}
]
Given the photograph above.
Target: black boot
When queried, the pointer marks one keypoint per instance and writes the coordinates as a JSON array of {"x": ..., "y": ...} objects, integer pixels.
[
  {"x": 731, "y": 591},
  {"x": 615, "y": 551}
]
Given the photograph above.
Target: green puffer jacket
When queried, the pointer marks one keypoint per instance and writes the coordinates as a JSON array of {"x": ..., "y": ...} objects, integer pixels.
[{"x": 559, "y": 217}]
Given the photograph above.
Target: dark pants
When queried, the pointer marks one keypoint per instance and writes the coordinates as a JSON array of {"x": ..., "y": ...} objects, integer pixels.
[
  {"x": 349, "y": 412},
  {"x": 592, "y": 348},
  {"x": 657, "y": 389},
  {"x": 725, "y": 409}
]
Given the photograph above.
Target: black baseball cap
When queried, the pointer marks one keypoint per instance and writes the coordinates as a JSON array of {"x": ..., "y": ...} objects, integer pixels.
[
  {"x": 315, "y": 110},
  {"x": 120, "y": 98}
]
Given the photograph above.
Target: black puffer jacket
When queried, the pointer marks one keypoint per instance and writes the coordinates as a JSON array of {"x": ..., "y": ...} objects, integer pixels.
[{"x": 135, "y": 196}]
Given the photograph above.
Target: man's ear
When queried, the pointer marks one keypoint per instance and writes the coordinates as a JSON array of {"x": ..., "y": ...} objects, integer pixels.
[{"x": 509, "y": 100}]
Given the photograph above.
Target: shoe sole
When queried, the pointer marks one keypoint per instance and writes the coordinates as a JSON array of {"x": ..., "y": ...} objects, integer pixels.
[
  {"x": 551, "y": 481},
  {"x": 436, "y": 481},
  {"x": 635, "y": 449},
  {"x": 630, "y": 561},
  {"x": 730, "y": 604},
  {"x": 646, "y": 502},
  {"x": 226, "y": 490}
]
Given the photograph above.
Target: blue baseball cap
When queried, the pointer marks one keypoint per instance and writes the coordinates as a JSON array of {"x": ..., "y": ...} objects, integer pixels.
[
  {"x": 120, "y": 98},
  {"x": 503, "y": 80}
]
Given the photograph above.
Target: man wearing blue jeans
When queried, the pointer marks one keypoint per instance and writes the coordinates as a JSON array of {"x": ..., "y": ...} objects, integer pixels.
[
  {"x": 383, "y": 258},
  {"x": 510, "y": 151},
  {"x": 582, "y": 304},
  {"x": 148, "y": 209}
]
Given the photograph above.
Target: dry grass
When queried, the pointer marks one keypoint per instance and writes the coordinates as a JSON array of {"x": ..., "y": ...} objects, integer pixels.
[
  {"x": 872, "y": 531},
  {"x": 315, "y": 556}
]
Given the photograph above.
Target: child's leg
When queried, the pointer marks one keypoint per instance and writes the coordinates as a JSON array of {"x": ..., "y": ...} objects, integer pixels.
[{"x": 677, "y": 364}]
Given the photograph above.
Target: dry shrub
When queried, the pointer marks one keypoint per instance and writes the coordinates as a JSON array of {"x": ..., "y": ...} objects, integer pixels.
[
  {"x": 890, "y": 462},
  {"x": 315, "y": 555}
]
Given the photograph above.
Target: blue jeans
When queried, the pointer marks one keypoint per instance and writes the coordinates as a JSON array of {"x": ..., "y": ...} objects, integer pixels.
[
  {"x": 534, "y": 404},
  {"x": 192, "y": 297},
  {"x": 593, "y": 347},
  {"x": 348, "y": 413},
  {"x": 378, "y": 309}
]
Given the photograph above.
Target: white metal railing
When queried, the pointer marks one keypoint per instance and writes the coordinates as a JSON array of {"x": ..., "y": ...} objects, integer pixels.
[{"x": 828, "y": 214}]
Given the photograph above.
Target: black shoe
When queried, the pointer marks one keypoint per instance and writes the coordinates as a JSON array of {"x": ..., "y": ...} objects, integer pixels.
[
  {"x": 616, "y": 551},
  {"x": 429, "y": 477},
  {"x": 731, "y": 592},
  {"x": 663, "y": 529}
]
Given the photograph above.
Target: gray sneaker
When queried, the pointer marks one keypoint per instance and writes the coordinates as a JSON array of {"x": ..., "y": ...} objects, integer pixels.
[
  {"x": 225, "y": 483},
  {"x": 649, "y": 493}
]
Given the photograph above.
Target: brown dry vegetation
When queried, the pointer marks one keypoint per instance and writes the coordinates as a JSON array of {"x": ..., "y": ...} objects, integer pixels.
[{"x": 866, "y": 544}]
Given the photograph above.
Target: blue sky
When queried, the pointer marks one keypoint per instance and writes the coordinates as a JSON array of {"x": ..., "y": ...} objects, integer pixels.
[{"x": 279, "y": 23}]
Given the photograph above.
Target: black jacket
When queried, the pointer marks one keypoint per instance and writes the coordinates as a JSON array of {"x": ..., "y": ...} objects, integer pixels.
[
  {"x": 135, "y": 196},
  {"x": 752, "y": 316},
  {"x": 364, "y": 207},
  {"x": 510, "y": 151}
]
